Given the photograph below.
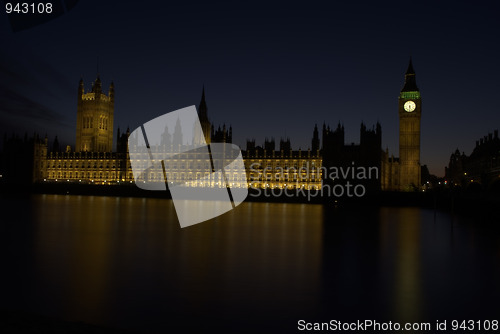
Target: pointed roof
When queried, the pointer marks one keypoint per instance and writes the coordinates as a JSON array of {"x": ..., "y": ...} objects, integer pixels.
[
  {"x": 97, "y": 85},
  {"x": 202, "y": 109},
  {"x": 410, "y": 69},
  {"x": 410, "y": 81},
  {"x": 203, "y": 103}
]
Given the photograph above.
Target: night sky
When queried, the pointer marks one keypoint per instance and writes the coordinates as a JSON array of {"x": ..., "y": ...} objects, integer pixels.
[{"x": 268, "y": 70}]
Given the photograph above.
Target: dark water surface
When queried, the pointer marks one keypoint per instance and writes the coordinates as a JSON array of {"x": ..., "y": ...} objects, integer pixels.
[{"x": 125, "y": 263}]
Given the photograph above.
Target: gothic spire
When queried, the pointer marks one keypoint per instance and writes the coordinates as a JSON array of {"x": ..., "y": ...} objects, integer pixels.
[
  {"x": 410, "y": 82},
  {"x": 410, "y": 69},
  {"x": 202, "y": 109}
]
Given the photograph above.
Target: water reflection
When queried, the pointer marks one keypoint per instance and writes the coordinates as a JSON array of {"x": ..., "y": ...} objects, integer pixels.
[
  {"x": 125, "y": 262},
  {"x": 101, "y": 258},
  {"x": 408, "y": 264},
  {"x": 400, "y": 229}
]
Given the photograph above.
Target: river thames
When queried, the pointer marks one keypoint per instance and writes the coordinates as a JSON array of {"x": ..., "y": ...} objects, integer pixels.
[{"x": 125, "y": 263}]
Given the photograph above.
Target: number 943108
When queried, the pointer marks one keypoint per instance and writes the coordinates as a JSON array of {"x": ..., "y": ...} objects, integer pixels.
[
  {"x": 472, "y": 325},
  {"x": 27, "y": 7}
]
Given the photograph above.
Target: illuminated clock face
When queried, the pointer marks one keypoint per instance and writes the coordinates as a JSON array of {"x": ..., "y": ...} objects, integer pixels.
[{"x": 410, "y": 106}]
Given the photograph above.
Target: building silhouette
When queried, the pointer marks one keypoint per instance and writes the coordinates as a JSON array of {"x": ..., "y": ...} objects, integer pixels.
[
  {"x": 22, "y": 158},
  {"x": 363, "y": 156},
  {"x": 482, "y": 166},
  {"x": 267, "y": 165}
]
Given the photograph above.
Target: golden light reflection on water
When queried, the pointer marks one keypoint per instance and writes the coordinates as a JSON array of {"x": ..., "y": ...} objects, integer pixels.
[
  {"x": 93, "y": 249},
  {"x": 126, "y": 261},
  {"x": 280, "y": 244},
  {"x": 400, "y": 242}
]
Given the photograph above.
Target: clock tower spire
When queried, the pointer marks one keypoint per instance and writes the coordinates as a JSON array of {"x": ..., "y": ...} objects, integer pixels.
[
  {"x": 410, "y": 82},
  {"x": 409, "y": 132}
]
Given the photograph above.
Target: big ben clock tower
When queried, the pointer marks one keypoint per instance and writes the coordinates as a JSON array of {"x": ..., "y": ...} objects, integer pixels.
[{"x": 409, "y": 132}]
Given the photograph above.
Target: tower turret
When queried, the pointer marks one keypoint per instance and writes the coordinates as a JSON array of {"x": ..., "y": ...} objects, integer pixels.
[
  {"x": 94, "y": 120},
  {"x": 97, "y": 87},
  {"x": 80, "y": 89}
]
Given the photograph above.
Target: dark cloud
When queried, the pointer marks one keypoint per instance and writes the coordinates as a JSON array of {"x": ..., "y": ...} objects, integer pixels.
[
  {"x": 14, "y": 105},
  {"x": 28, "y": 86},
  {"x": 26, "y": 72}
]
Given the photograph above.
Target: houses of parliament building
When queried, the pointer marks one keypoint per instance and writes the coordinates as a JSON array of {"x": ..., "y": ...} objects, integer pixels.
[{"x": 271, "y": 165}]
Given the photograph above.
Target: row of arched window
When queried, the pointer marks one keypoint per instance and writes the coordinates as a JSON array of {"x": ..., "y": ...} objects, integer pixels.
[{"x": 102, "y": 125}]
